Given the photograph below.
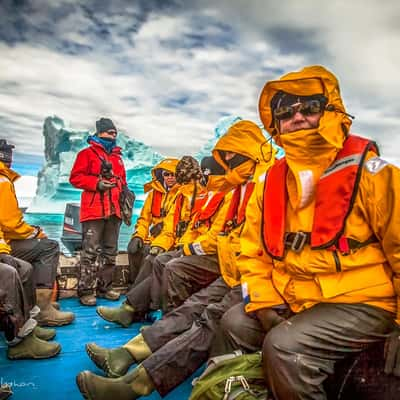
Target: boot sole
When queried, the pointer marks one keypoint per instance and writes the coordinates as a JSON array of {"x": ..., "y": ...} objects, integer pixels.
[
  {"x": 34, "y": 357},
  {"x": 93, "y": 356},
  {"x": 55, "y": 323},
  {"x": 80, "y": 381}
]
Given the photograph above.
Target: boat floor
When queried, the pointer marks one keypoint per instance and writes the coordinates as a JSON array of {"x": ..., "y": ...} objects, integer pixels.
[{"x": 54, "y": 378}]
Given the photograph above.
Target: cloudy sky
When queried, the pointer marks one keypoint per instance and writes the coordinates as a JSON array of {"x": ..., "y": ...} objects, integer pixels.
[{"x": 166, "y": 71}]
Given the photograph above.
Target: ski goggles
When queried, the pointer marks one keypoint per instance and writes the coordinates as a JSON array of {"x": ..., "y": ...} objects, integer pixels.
[{"x": 308, "y": 107}]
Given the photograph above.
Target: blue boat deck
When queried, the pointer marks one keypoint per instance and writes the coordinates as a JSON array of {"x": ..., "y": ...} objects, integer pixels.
[{"x": 54, "y": 378}]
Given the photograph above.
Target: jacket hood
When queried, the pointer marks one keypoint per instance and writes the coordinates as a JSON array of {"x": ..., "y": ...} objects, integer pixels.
[
  {"x": 244, "y": 138},
  {"x": 334, "y": 125},
  {"x": 168, "y": 164},
  {"x": 8, "y": 172}
]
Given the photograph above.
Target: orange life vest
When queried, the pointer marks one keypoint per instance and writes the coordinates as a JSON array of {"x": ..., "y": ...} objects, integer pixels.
[
  {"x": 156, "y": 204},
  {"x": 335, "y": 195},
  {"x": 208, "y": 209},
  {"x": 237, "y": 210}
]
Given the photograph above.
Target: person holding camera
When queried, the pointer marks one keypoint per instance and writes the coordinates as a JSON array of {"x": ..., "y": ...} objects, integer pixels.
[
  {"x": 99, "y": 171},
  {"x": 161, "y": 193}
]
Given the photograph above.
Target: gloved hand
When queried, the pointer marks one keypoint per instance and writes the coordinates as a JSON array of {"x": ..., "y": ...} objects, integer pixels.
[
  {"x": 268, "y": 318},
  {"x": 155, "y": 250},
  {"x": 8, "y": 259},
  {"x": 135, "y": 244},
  {"x": 392, "y": 353},
  {"x": 41, "y": 235},
  {"x": 103, "y": 185}
]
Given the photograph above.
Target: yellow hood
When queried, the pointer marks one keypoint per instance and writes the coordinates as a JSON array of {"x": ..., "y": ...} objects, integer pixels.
[
  {"x": 333, "y": 126},
  {"x": 169, "y": 164},
  {"x": 244, "y": 138}
]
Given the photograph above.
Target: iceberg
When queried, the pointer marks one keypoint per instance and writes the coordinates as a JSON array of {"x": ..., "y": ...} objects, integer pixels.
[{"x": 61, "y": 146}]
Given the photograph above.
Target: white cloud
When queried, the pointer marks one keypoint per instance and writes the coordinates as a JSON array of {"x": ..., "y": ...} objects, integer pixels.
[{"x": 167, "y": 76}]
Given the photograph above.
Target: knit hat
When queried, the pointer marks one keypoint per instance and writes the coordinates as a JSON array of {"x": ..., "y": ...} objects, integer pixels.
[
  {"x": 187, "y": 169},
  {"x": 6, "y": 152},
  {"x": 104, "y": 125}
]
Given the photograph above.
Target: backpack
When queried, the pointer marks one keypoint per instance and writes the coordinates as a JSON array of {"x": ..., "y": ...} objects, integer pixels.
[{"x": 234, "y": 376}]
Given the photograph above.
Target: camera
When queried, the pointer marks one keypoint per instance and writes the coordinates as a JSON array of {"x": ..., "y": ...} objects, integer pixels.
[{"x": 106, "y": 170}]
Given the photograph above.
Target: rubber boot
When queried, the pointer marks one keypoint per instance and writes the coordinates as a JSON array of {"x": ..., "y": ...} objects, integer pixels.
[
  {"x": 110, "y": 294},
  {"x": 48, "y": 315},
  {"x": 32, "y": 347},
  {"x": 56, "y": 305},
  {"x": 138, "y": 348},
  {"x": 88, "y": 299},
  {"x": 43, "y": 333},
  {"x": 114, "y": 362},
  {"x": 129, "y": 387},
  {"x": 123, "y": 315}
]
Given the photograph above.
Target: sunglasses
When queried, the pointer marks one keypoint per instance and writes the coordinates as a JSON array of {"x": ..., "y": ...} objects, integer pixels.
[
  {"x": 305, "y": 108},
  {"x": 166, "y": 173},
  {"x": 112, "y": 131}
]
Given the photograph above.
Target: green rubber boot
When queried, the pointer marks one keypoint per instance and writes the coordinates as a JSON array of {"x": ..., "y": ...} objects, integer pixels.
[
  {"x": 32, "y": 347},
  {"x": 44, "y": 333},
  {"x": 123, "y": 315},
  {"x": 129, "y": 387},
  {"x": 114, "y": 362}
]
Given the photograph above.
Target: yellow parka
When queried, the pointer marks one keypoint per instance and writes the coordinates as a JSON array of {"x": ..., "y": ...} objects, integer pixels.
[
  {"x": 367, "y": 275},
  {"x": 168, "y": 239},
  {"x": 247, "y": 139},
  {"x": 12, "y": 221},
  {"x": 146, "y": 219}
]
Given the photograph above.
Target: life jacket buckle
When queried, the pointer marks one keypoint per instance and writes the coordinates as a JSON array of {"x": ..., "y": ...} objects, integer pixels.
[{"x": 296, "y": 240}]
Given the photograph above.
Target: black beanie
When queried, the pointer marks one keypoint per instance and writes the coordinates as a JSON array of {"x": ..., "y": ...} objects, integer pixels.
[
  {"x": 6, "y": 151},
  {"x": 210, "y": 167},
  {"x": 104, "y": 125}
]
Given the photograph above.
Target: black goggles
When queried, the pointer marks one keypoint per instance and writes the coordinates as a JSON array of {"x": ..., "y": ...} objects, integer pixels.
[{"x": 308, "y": 107}]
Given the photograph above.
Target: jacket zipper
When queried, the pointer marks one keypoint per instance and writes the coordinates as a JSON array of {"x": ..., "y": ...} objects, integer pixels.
[{"x": 337, "y": 261}]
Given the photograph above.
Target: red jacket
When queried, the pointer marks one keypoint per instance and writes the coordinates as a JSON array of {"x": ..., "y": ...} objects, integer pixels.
[{"x": 86, "y": 173}]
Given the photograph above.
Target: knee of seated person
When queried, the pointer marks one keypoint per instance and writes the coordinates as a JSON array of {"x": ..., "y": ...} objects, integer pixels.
[
  {"x": 25, "y": 269},
  {"x": 7, "y": 271},
  {"x": 232, "y": 323},
  {"x": 49, "y": 245},
  {"x": 279, "y": 339}
]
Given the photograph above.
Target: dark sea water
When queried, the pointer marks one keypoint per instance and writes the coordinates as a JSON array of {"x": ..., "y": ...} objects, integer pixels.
[{"x": 52, "y": 225}]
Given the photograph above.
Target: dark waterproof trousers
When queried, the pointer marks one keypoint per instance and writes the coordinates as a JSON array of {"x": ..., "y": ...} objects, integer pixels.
[
  {"x": 136, "y": 262},
  {"x": 99, "y": 243},
  {"x": 301, "y": 352},
  {"x": 182, "y": 341},
  {"x": 192, "y": 274},
  {"x": 175, "y": 281},
  {"x": 16, "y": 287},
  {"x": 43, "y": 254}
]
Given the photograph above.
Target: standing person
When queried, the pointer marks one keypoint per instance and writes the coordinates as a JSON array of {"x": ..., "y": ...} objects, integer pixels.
[
  {"x": 99, "y": 171},
  {"x": 322, "y": 236},
  {"x": 161, "y": 191},
  {"x": 28, "y": 243}
]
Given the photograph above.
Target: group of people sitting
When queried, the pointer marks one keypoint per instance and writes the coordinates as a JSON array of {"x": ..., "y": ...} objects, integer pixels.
[{"x": 297, "y": 257}]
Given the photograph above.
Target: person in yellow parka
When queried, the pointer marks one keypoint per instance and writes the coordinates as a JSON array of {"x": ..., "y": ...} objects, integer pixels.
[
  {"x": 29, "y": 243},
  {"x": 161, "y": 192},
  {"x": 322, "y": 237},
  {"x": 164, "y": 247},
  {"x": 174, "y": 347}
]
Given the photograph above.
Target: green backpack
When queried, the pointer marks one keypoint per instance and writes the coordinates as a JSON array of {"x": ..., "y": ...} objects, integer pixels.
[{"x": 234, "y": 376}]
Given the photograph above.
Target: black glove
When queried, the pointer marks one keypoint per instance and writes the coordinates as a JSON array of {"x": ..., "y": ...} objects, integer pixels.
[
  {"x": 392, "y": 353},
  {"x": 155, "y": 250},
  {"x": 103, "y": 185},
  {"x": 7, "y": 259},
  {"x": 135, "y": 244}
]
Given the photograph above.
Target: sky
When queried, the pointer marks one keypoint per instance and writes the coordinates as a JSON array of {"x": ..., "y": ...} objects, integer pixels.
[{"x": 166, "y": 71}]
